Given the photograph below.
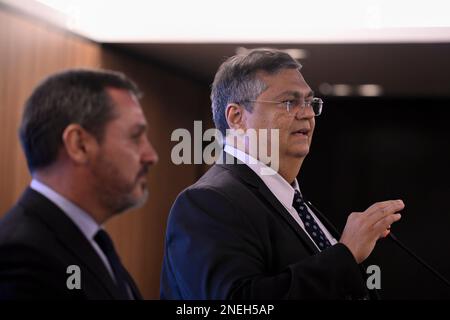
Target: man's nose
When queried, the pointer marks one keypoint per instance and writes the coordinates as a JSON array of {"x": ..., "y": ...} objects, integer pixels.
[
  {"x": 305, "y": 112},
  {"x": 149, "y": 154}
]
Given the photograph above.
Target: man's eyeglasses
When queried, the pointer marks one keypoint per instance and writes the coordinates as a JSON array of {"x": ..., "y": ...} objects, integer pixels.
[{"x": 294, "y": 104}]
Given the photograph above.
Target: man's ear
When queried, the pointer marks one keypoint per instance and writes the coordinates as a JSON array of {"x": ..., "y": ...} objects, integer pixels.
[
  {"x": 235, "y": 116},
  {"x": 78, "y": 143}
]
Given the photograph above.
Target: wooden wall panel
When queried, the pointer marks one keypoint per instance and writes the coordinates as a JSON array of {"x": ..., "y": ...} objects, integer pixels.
[{"x": 29, "y": 51}]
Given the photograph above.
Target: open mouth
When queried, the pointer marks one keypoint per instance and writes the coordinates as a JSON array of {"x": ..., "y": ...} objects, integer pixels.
[{"x": 301, "y": 132}]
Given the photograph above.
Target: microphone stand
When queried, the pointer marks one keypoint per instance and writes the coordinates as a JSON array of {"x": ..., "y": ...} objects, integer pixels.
[
  {"x": 406, "y": 249},
  {"x": 418, "y": 259}
]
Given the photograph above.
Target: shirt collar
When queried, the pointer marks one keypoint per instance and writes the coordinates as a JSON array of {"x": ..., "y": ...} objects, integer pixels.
[
  {"x": 280, "y": 188},
  {"x": 81, "y": 218}
]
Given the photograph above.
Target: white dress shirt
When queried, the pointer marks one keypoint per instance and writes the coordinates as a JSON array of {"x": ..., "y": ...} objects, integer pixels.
[
  {"x": 280, "y": 188},
  {"x": 79, "y": 217}
]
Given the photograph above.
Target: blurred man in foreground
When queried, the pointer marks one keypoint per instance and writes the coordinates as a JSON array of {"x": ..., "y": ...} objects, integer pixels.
[{"x": 84, "y": 136}]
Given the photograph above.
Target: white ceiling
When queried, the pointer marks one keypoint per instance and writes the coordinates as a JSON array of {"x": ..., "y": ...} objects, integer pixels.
[{"x": 249, "y": 21}]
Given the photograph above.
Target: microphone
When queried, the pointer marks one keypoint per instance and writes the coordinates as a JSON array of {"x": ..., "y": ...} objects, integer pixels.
[{"x": 394, "y": 238}]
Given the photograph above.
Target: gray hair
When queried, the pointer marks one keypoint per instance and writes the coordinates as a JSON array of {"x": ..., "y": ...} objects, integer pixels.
[
  {"x": 72, "y": 96},
  {"x": 237, "y": 80}
]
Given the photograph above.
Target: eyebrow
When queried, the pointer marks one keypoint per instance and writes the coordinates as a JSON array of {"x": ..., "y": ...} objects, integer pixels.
[
  {"x": 139, "y": 128},
  {"x": 296, "y": 94}
]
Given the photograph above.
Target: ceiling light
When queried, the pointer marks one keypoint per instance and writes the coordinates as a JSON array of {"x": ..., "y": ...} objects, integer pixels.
[
  {"x": 325, "y": 88},
  {"x": 370, "y": 90},
  {"x": 297, "y": 54},
  {"x": 341, "y": 90}
]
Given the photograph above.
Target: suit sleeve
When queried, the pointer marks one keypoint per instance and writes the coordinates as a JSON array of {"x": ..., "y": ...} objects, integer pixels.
[{"x": 213, "y": 252}]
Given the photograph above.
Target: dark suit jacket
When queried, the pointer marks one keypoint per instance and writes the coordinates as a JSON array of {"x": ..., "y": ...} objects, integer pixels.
[
  {"x": 37, "y": 244},
  {"x": 228, "y": 237}
]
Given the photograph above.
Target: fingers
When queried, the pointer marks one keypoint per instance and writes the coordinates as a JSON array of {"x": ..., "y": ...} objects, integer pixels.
[
  {"x": 382, "y": 226},
  {"x": 396, "y": 205},
  {"x": 385, "y": 234},
  {"x": 383, "y": 209},
  {"x": 363, "y": 229}
]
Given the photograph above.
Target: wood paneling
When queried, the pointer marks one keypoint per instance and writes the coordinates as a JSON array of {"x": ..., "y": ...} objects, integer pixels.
[{"x": 29, "y": 51}]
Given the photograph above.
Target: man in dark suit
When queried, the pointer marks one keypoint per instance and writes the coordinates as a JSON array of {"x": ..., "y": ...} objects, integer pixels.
[
  {"x": 244, "y": 231},
  {"x": 84, "y": 137}
]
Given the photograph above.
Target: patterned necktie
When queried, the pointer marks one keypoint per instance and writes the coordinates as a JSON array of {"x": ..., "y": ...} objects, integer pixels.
[
  {"x": 310, "y": 224},
  {"x": 105, "y": 243}
]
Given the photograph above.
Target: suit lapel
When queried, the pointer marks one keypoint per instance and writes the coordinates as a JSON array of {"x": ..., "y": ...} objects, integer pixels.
[
  {"x": 248, "y": 176},
  {"x": 275, "y": 203},
  {"x": 70, "y": 237}
]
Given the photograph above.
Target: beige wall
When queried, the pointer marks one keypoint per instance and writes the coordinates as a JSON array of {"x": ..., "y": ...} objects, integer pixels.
[{"x": 30, "y": 50}]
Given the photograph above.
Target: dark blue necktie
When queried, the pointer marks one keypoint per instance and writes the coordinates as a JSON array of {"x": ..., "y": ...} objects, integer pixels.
[
  {"x": 105, "y": 243},
  {"x": 310, "y": 224}
]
